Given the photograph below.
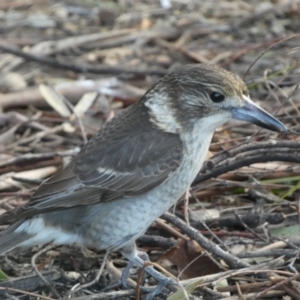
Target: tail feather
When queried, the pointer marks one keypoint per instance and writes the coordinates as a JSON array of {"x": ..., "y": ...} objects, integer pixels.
[{"x": 10, "y": 239}]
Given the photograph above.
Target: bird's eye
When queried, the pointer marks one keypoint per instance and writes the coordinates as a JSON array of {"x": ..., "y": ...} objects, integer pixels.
[{"x": 216, "y": 97}]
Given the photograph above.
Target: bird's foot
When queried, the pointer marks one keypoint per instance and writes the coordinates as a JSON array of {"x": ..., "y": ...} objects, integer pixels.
[
  {"x": 139, "y": 261},
  {"x": 125, "y": 274}
]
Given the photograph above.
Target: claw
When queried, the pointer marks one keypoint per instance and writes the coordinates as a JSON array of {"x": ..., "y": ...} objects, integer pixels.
[
  {"x": 139, "y": 260},
  {"x": 125, "y": 274},
  {"x": 155, "y": 292}
]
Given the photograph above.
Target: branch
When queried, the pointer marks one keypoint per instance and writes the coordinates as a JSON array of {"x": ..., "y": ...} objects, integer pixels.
[
  {"x": 79, "y": 68},
  {"x": 245, "y": 155}
]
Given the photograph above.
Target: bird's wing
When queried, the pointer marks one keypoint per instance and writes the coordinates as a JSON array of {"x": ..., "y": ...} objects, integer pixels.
[{"x": 127, "y": 157}]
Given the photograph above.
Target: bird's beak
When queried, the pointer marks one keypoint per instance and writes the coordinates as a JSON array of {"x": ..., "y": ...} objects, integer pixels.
[{"x": 252, "y": 113}]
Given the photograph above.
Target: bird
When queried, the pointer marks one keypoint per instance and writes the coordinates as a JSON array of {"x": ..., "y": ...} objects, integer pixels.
[{"x": 136, "y": 166}]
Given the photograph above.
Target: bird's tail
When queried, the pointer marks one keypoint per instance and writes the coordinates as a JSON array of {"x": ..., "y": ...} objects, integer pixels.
[{"x": 10, "y": 238}]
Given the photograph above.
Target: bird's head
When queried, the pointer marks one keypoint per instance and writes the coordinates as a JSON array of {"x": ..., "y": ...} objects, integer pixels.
[{"x": 207, "y": 93}]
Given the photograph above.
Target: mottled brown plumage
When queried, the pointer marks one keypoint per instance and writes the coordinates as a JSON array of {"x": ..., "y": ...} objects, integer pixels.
[
  {"x": 136, "y": 167},
  {"x": 103, "y": 171},
  {"x": 141, "y": 167}
]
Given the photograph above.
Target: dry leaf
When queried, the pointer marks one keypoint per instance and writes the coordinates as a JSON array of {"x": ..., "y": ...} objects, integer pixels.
[
  {"x": 189, "y": 259},
  {"x": 55, "y": 100}
]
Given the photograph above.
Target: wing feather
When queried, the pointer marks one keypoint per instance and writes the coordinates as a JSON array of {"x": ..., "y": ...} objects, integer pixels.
[{"x": 127, "y": 157}]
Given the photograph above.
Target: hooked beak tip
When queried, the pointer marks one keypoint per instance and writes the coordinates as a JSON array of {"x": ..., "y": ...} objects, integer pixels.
[{"x": 252, "y": 113}]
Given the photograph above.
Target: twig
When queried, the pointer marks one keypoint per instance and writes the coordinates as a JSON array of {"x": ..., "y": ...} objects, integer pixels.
[
  {"x": 273, "y": 287},
  {"x": 26, "y": 293},
  {"x": 231, "y": 260},
  {"x": 38, "y": 273},
  {"x": 239, "y": 162},
  {"x": 247, "y": 227},
  {"x": 79, "y": 68},
  {"x": 38, "y": 156},
  {"x": 74, "y": 289},
  {"x": 265, "y": 51}
]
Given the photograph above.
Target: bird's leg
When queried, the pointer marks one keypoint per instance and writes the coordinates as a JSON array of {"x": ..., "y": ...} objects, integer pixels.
[
  {"x": 143, "y": 255},
  {"x": 125, "y": 274},
  {"x": 138, "y": 258},
  {"x": 152, "y": 272}
]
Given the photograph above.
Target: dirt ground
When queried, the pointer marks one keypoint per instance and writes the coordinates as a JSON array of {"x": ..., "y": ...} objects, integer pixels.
[{"x": 67, "y": 67}]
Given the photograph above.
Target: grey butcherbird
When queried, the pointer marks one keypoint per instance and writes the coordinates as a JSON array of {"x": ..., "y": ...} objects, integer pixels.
[{"x": 136, "y": 167}]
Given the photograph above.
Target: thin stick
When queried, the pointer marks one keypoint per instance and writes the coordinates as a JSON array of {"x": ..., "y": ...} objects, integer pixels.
[
  {"x": 75, "y": 289},
  {"x": 25, "y": 293},
  {"x": 265, "y": 51},
  {"x": 38, "y": 273}
]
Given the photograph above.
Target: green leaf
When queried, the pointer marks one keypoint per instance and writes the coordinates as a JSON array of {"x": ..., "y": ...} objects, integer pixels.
[
  {"x": 3, "y": 276},
  {"x": 291, "y": 191},
  {"x": 180, "y": 295},
  {"x": 281, "y": 180},
  {"x": 286, "y": 232}
]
